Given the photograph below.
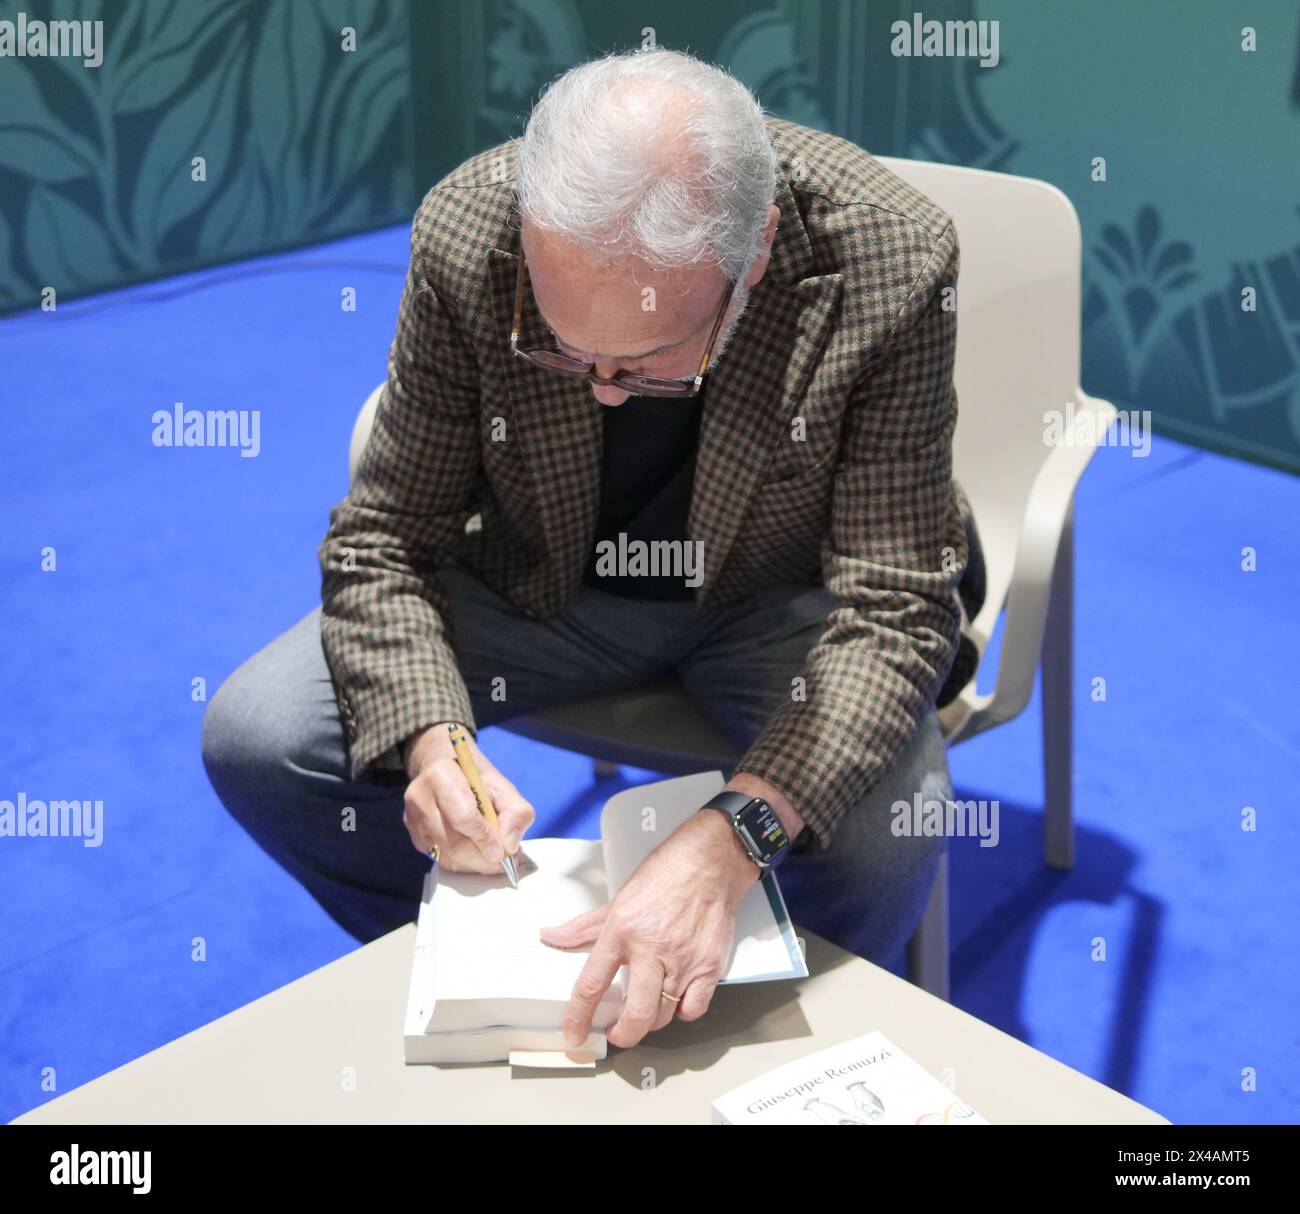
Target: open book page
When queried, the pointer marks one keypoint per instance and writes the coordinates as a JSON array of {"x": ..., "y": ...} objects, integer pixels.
[
  {"x": 635, "y": 821},
  {"x": 486, "y": 935}
]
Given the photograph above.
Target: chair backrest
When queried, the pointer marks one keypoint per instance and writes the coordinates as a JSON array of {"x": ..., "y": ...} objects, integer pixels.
[
  {"x": 361, "y": 431},
  {"x": 1018, "y": 337}
]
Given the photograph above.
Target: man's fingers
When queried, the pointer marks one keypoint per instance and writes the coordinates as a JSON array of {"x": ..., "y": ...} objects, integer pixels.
[
  {"x": 426, "y": 828},
  {"x": 644, "y": 1002},
  {"x": 459, "y": 809},
  {"x": 589, "y": 989},
  {"x": 514, "y": 814},
  {"x": 420, "y": 816},
  {"x": 441, "y": 808},
  {"x": 514, "y": 824},
  {"x": 427, "y": 825},
  {"x": 695, "y": 1002},
  {"x": 581, "y": 929}
]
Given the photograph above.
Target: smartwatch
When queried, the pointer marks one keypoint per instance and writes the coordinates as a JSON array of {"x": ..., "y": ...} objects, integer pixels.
[{"x": 755, "y": 821}]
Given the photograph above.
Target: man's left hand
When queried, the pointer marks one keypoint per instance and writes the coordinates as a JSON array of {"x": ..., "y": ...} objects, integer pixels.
[{"x": 673, "y": 924}]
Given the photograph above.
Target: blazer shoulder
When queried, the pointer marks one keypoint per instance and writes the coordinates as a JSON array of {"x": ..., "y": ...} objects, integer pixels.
[
  {"x": 489, "y": 169},
  {"x": 466, "y": 213},
  {"x": 892, "y": 244},
  {"x": 836, "y": 172}
]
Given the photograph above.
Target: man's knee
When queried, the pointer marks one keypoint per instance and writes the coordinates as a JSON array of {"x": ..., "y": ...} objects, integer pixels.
[
  {"x": 223, "y": 739},
  {"x": 243, "y": 740}
]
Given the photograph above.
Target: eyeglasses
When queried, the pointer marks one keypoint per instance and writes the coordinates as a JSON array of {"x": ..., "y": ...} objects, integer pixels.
[{"x": 640, "y": 385}]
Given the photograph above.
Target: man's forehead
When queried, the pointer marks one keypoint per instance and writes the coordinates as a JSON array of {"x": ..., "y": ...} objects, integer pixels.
[{"x": 642, "y": 354}]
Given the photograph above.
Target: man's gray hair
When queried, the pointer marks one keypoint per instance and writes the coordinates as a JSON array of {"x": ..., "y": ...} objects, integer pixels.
[{"x": 686, "y": 182}]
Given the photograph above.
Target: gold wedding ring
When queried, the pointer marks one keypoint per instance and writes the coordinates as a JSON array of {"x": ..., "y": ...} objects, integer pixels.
[
  {"x": 433, "y": 853},
  {"x": 674, "y": 998}
]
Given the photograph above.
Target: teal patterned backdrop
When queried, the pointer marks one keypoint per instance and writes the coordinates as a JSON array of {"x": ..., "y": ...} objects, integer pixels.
[
  {"x": 301, "y": 139},
  {"x": 1201, "y": 141}
]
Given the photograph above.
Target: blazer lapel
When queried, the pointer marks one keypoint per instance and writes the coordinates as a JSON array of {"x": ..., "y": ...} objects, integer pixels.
[
  {"x": 556, "y": 424},
  {"x": 753, "y": 391}
]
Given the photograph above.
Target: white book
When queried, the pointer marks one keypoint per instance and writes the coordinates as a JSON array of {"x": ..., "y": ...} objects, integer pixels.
[
  {"x": 482, "y": 981},
  {"x": 866, "y": 1081}
]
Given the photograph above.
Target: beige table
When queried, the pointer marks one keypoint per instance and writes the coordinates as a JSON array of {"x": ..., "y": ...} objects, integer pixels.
[{"x": 328, "y": 1048}]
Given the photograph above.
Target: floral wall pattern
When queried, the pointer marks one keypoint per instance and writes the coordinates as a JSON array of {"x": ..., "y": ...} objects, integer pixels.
[{"x": 301, "y": 139}]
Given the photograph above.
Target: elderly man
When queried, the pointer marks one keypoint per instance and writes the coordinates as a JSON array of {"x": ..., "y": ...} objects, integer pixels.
[{"x": 558, "y": 376}]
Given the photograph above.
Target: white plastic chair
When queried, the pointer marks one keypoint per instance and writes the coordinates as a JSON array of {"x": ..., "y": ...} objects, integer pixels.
[{"x": 1018, "y": 358}]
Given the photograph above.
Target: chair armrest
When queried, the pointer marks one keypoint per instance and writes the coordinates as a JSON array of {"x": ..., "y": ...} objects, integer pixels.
[{"x": 1046, "y": 515}]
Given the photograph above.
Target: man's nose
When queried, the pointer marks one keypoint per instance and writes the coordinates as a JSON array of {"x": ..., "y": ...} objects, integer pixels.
[
  {"x": 609, "y": 396},
  {"x": 604, "y": 394}
]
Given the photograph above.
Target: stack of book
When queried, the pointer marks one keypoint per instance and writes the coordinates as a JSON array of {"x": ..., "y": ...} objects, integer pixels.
[{"x": 483, "y": 985}]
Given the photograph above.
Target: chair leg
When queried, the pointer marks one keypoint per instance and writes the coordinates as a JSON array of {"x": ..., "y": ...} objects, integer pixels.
[
  {"x": 1058, "y": 708},
  {"x": 927, "y": 951},
  {"x": 602, "y": 769}
]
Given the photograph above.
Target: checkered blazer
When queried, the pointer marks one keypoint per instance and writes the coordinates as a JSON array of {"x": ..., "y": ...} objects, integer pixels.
[{"x": 847, "y": 330}]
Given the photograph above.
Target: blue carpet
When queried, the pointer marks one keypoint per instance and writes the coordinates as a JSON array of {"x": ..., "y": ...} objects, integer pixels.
[{"x": 173, "y": 565}]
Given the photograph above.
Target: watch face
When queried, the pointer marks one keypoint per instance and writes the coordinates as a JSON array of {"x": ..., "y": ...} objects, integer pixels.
[{"x": 760, "y": 823}]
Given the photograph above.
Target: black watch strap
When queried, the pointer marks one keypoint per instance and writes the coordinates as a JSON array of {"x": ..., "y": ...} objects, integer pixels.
[
  {"x": 767, "y": 829},
  {"x": 731, "y": 803}
]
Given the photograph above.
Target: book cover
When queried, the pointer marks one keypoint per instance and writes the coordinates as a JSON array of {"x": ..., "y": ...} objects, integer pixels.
[{"x": 866, "y": 1081}]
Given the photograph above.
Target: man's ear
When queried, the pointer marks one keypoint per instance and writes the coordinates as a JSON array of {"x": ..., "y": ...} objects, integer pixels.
[{"x": 759, "y": 268}]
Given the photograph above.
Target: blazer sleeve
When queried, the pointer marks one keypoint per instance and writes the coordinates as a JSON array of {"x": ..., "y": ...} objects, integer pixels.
[
  {"x": 385, "y": 619},
  {"x": 895, "y": 554}
]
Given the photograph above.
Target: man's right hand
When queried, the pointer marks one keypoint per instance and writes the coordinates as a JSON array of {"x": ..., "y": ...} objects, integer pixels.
[{"x": 441, "y": 809}]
